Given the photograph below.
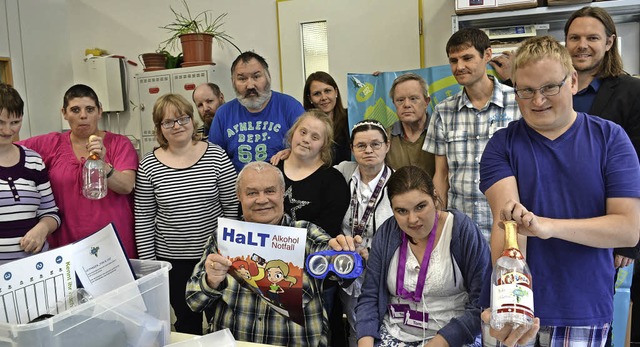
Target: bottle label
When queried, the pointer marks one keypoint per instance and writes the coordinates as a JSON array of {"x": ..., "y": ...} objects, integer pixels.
[
  {"x": 515, "y": 277},
  {"x": 512, "y": 298}
]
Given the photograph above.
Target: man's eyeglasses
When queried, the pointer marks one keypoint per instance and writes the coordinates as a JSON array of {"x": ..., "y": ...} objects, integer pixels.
[
  {"x": 548, "y": 90},
  {"x": 412, "y": 100},
  {"x": 361, "y": 147},
  {"x": 169, "y": 123}
]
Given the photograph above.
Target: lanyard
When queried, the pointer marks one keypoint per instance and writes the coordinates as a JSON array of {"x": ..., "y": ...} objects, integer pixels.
[
  {"x": 360, "y": 225},
  {"x": 422, "y": 275}
]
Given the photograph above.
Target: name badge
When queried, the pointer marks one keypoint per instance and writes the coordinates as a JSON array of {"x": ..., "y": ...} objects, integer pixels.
[
  {"x": 397, "y": 312},
  {"x": 416, "y": 319}
]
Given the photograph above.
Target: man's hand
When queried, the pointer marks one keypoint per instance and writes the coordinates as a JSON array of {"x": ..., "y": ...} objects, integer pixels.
[
  {"x": 345, "y": 243},
  {"x": 502, "y": 65},
  {"x": 528, "y": 223},
  {"x": 622, "y": 261},
  {"x": 509, "y": 336},
  {"x": 216, "y": 267}
]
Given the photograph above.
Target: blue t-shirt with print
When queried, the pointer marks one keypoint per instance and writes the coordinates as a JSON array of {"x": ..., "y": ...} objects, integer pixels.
[
  {"x": 247, "y": 136},
  {"x": 570, "y": 177}
]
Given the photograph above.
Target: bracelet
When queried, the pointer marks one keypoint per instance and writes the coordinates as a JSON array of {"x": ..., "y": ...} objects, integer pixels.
[{"x": 110, "y": 173}]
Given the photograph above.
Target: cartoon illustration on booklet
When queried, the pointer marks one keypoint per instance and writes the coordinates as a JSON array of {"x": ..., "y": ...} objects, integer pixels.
[{"x": 268, "y": 260}]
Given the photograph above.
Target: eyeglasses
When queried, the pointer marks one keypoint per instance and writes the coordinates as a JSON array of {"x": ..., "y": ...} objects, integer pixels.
[
  {"x": 412, "y": 100},
  {"x": 344, "y": 264},
  {"x": 361, "y": 147},
  {"x": 548, "y": 90},
  {"x": 169, "y": 123}
]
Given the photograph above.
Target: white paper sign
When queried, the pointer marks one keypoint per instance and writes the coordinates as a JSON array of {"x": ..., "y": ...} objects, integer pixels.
[
  {"x": 101, "y": 264},
  {"x": 31, "y": 286}
]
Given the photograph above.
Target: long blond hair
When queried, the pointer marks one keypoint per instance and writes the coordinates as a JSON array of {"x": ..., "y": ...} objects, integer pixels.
[
  {"x": 325, "y": 151},
  {"x": 271, "y": 264}
]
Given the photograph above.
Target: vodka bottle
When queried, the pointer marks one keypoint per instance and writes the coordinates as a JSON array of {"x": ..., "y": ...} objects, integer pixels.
[
  {"x": 511, "y": 291},
  {"x": 94, "y": 177}
]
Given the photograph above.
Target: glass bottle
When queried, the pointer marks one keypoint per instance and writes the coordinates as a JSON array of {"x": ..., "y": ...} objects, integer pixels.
[
  {"x": 511, "y": 291},
  {"x": 94, "y": 178}
]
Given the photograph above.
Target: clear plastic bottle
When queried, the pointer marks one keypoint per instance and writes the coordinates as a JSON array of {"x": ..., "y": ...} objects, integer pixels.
[
  {"x": 94, "y": 178},
  {"x": 511, "y": 290}
]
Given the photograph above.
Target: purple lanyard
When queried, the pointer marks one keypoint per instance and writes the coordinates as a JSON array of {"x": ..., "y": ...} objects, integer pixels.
[
  {"x": 422, "y": 275},
  {"x": 358, "y": 226}
]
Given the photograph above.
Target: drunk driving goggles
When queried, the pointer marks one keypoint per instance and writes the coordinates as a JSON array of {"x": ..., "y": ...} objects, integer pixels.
[{"x": 344, "y": 264}]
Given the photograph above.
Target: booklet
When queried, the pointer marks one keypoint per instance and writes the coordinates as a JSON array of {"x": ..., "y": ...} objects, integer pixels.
[
  {"x": 268, "y": 260},
  {"x": 101, "y": 264},
  {"x": 45, "y": 283}
]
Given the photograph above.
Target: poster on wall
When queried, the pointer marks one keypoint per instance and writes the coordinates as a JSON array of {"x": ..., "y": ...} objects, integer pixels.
[{"x": 368, "y": 95}]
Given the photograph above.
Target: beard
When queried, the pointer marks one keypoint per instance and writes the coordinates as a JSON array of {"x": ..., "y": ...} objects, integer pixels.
[
  {"x": 207, "y": 118},
  {"x": 253, "y": 99}
]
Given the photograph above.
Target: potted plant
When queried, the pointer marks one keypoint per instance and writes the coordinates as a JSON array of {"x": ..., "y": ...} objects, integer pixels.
[
  {"x": 196, "y": 34},
  {"x": 153, "y": 61}
]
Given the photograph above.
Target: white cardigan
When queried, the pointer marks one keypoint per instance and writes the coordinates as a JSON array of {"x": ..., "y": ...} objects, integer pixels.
[{"x": 382, "y": 208}]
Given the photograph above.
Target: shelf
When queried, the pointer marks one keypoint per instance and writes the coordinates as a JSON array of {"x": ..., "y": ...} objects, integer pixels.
[{"x": 621, "y": 11}]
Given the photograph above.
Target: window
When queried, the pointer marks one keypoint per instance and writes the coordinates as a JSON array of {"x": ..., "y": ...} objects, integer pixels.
[
  {"x": 5, "y": 71},
  {"x": 315, "y": 50}
]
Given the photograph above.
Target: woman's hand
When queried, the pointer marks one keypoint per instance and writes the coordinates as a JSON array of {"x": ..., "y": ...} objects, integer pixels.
[
  {"x": 282, "y": 155},
  {"x": 96, "y": 146},
  {"x": 33, "y": 240}
]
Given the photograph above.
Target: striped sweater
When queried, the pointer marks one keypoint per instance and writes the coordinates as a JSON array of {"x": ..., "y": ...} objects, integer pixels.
[
  {"x": 176, "y": 210},
  {"x": 25, "y": 198}
]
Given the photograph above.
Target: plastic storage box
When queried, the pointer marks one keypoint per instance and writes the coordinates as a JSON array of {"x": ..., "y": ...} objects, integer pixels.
[{"x": 134, "y": 315}]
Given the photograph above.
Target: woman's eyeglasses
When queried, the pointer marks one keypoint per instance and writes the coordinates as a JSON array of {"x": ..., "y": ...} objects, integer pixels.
[
  {"x": 361, "y": 147},
  {"x": 169, "y": 123}
]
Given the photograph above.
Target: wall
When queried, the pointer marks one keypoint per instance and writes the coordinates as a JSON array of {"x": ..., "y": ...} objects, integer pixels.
[
  {"x": 437, "y": 30},
  {"x": 38, "y": 44},
  {"x": 130, "y": 28},
  {"x": 47, "y": 38}
]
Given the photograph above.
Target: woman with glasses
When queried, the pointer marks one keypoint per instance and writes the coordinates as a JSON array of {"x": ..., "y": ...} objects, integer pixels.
[
  {"x": 424, "y": 272},
  {"x": 369, "y": 206},
  {"x": 64, "y": 155},
  {"x": 181, "y": 189}
]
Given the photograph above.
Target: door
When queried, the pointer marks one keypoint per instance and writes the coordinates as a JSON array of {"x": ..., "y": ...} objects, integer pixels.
[{"x": 362, "y": 36}]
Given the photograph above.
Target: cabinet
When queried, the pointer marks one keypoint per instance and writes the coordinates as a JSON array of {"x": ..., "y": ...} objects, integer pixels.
[
  {"x": 151, "y": 85},
  {"x": 625, "y": 13}
]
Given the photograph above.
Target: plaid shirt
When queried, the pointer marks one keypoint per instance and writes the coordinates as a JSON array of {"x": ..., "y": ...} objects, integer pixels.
[
  {"x": 460, "y": 132},
  {"x": 248, "y": 317}
]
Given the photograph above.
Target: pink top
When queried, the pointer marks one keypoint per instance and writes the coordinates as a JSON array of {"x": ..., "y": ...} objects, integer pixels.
[{"x": 81, "y": 216}]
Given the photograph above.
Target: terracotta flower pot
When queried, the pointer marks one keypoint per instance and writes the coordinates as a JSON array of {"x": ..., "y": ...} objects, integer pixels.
[
  {"x": 152, "y": 61},
  {"x": 196, "y": 49}
]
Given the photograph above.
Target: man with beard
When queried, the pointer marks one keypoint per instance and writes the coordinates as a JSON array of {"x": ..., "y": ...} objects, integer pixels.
[
  {"x": 462, "y": 124},
  {"x": 207, "y": 98},
  {"x": 253, "y": 126}
]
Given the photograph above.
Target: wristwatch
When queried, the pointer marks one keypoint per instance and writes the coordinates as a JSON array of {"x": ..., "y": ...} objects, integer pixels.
[{"x": 111, "y": 171}]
